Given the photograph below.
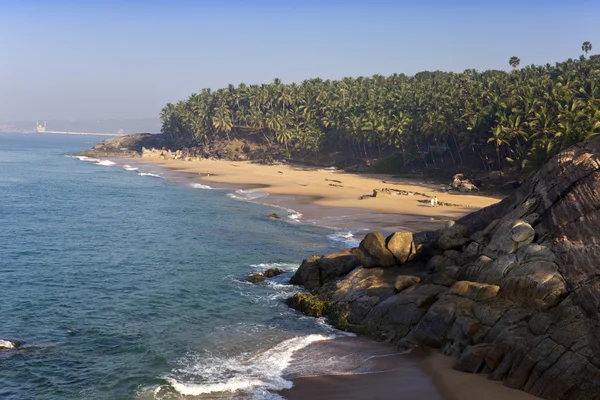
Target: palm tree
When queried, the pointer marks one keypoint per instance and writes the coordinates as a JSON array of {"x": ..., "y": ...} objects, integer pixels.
[
  {"x": 484, "y": 118},
  {"x": 514, "y": 62},
  {"x": 587, "y": 47}
]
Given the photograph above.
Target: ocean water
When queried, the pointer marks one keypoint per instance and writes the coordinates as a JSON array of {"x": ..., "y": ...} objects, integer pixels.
[{"x": 124, "y": 284}]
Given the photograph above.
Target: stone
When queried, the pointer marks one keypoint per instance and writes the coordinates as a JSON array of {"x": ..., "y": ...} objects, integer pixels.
[
  {"x": 401, "y": 245},
  {"x": 315, "y": 271},
  {"x": 337, "y": 264},
  {"x": 309, "y": 304},
  {"x": 372, "y": 252},
  {"x": 308, "y": 274},
  {"x": 509, "y": 237},
  {"x": 472, "y": 358},
  {"x": 255, "y": 278},
  {"x": 405, "y": 281},
  {"x": 448, "y": 242},
  {"x": 273, "y": 216},
  {"x": 272, "y": 272},
  {"x": 439, "y": 262},
  {"x": 474, "y": 290}
]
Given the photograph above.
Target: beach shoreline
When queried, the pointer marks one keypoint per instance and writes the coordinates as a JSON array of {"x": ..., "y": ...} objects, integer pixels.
[
  {"x": 429, "y": 372},
  {"x": 323, "y": 194}
]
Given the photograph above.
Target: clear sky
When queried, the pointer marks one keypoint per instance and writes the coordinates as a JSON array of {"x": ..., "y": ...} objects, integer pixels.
[{"x": 127, "y": 59}]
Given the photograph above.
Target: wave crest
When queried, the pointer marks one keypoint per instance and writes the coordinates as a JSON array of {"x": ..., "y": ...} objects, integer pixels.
[{"x": 263, "y": 370}]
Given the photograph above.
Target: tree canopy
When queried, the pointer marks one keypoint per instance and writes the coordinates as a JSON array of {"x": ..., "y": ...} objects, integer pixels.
[{"x": 489, "y": 120}]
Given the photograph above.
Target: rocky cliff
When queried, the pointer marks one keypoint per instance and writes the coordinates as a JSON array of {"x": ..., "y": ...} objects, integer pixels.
[{"x": 512, "y": 290}]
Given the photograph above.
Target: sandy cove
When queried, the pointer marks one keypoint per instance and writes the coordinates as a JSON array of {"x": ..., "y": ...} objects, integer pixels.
[
  {"x": 332, "y": 188},
  {"x": 336, "y": 189}
]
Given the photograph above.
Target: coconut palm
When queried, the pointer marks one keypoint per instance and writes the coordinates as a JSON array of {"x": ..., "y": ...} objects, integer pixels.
[
  {"x": 514, "y": 62},
  {"x": 474, "y": 119},
  {"x": 586, "y": 47}
]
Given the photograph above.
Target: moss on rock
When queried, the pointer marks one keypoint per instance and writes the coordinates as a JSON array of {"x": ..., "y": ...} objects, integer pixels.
[{"x": 309, "y": 304}]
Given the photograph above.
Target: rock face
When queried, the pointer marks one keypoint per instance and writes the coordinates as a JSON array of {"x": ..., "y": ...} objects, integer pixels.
[
  {"x": 373, "y": 252},
  {"x": 512, "y": 290},
  {"x": 315, "y": 271}
]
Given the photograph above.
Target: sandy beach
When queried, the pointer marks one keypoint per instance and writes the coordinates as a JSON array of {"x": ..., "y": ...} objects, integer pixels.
[{"x": 300, "y": 188}]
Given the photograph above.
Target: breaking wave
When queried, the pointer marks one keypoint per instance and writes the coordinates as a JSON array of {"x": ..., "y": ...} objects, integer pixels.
[
  {"x": 246, "y": 372},
  {"x": 247, "y": 195},
  {"x": 105, "y": 163},
  {"x": 149, "y": 174},
  {"x": 200, "y": 186},
  {"x": 345, "y": 237}
]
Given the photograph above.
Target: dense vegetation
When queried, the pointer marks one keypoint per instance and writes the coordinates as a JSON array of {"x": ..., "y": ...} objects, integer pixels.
[{"x": 488, "y": 120}]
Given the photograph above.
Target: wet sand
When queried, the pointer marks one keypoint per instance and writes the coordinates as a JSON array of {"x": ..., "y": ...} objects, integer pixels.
[
  {"x": 421, "y": 375},
  {"x": 457, "y": 385},
  {"x": 363, "y": 369}
]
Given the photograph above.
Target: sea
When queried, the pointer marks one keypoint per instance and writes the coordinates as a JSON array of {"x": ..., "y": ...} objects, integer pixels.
[{"x": 126, "y": 281}]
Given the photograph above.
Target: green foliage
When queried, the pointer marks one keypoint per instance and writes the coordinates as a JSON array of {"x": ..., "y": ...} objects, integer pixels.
[{"x": 487, "y": 120}]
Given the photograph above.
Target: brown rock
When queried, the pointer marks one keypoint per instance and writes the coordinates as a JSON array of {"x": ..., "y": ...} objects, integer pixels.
[
  {"x": 474, "y": 290},
  {"x": 405, "y": 281},
  {"x": 255, "y": 278},
  {"x": 272, "y": 272},
  {"x": 315, "y": 271},
  {"x": 472, "y": 358},
  {"x": 401, "y": 245},
  {"x": 372, "y": 252}
]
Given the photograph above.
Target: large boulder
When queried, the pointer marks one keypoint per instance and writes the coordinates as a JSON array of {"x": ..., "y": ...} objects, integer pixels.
[
  {"x": 315, "y": 271},
  {"x": 402, "y": 246},
  {"x": 372, "y": 252}
]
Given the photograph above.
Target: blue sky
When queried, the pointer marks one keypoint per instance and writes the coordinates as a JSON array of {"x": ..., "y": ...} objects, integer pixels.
[{"x": 126, "y": 59}]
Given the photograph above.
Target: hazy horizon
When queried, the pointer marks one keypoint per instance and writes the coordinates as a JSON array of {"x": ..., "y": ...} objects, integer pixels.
[{"x": 105, "y": 60}]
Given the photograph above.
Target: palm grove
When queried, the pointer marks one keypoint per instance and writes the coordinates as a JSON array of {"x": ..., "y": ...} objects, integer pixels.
[{"x": 489, "y": 120}]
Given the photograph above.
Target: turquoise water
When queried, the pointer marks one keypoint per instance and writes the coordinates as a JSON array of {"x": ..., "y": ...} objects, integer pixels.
[{"x": 125, "y": 285}]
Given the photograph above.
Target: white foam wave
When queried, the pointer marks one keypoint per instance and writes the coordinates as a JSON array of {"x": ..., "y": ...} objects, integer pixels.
[
  {"x": 200, "y": 186},
  {"x": 84, "y": 158},
  {"x": 345, "y": 237},
  {"x": 262, "y": 371},
  {"x": 105, "y": 163},
  {"x": 149, "y": 174},
  {"x": 247, "y": 195},
  {"x": 295, "y": 216},
  {"x": 281, "y": 265},
  {"x": 129, "y": 168},
  {"x": 7, "y": 344}
]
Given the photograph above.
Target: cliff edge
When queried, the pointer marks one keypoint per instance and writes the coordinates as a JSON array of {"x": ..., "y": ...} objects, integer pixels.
[{"x": 512, "y": 290}]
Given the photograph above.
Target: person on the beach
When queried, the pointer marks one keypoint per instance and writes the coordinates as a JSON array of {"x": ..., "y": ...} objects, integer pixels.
[
  {"x": 432, "y": 201},
  {"x": 435, "y": 201}
]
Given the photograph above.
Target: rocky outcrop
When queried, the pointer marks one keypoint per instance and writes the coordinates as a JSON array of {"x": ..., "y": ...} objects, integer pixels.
[
  {"x": 128, "y": 145},
  {"x": 255, "y": 278},
  {"x": 512, "y": 290},
  {"x": 315, "y": 271},
  {"x": 273, "y": 272},
  {"x": 460, "y": 183}
]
